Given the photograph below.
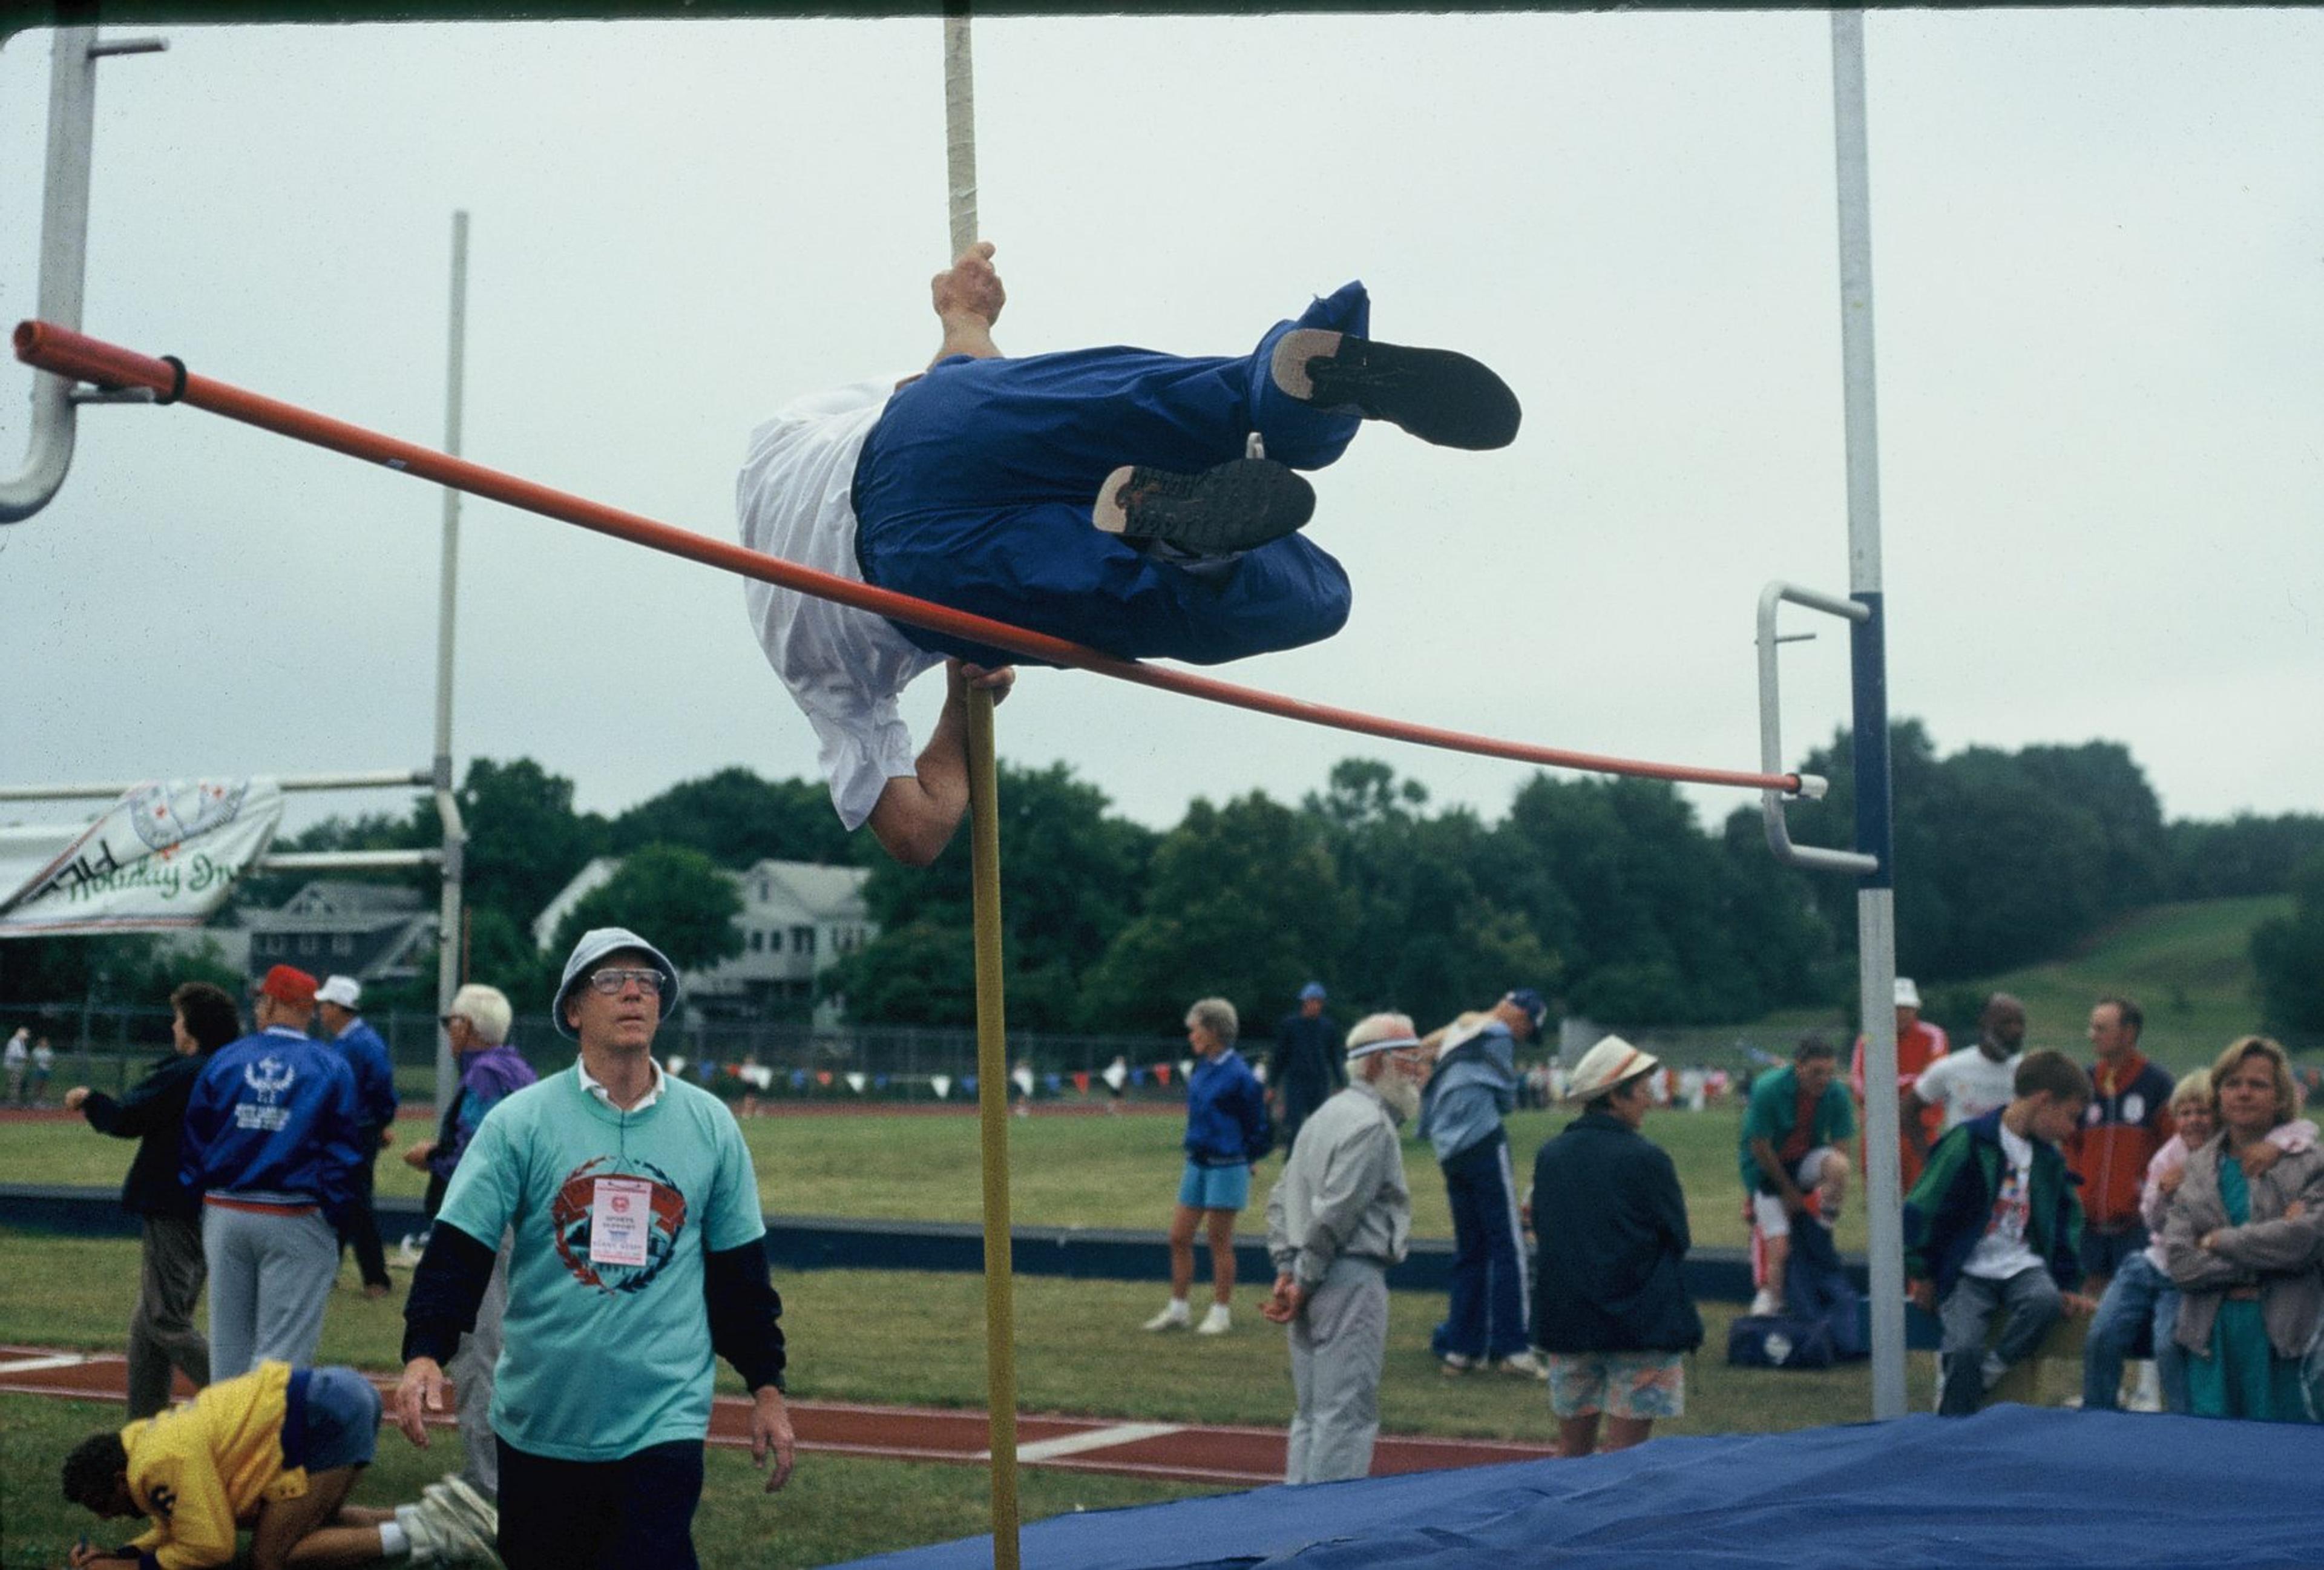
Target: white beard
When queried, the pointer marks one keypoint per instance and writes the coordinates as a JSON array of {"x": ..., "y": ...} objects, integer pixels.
[{"x": 1400, "y": 1095}]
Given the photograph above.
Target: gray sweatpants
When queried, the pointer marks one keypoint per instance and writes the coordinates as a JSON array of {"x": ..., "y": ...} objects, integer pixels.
[
  {"x": 270, "y": 1276},
  {"x": 161, "y": 1333},
  {"x": 471, "y": 1372},
  {"x": 2029, "y": 1304},
  {"x": 1337, "y": 1343}
]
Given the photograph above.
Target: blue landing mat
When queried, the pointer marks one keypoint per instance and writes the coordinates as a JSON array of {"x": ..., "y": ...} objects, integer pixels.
[{"x": 2012, "y": 1486}]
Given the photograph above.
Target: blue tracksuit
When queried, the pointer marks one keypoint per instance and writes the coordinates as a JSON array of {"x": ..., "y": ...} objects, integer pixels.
[
  {"x": 1473, "y": 1086},
  {"x": 272, "y": 1119},
  {"x": 974, "y": 491}
]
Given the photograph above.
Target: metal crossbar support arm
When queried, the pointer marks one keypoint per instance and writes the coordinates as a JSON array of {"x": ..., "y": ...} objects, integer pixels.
[
  {"x": 1771, "y": 730},
  {"x": 64, "y": 255},
  {"x": 91, "y": 359},
  {"x": 378, "y": 780},
  {"x": 347, "y": 861}
]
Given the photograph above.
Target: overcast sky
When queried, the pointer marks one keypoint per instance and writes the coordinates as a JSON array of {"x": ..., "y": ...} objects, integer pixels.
[{"x": 2100, "y": 277}]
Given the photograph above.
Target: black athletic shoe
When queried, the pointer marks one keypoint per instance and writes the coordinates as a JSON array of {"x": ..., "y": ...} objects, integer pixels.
[
  {"x": 1236, "y": 506},
  {"x": 1437, "y": 395}
]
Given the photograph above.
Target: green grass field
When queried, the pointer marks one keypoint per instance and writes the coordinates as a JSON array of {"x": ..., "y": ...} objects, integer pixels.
[
  {"x": 918, "y": 1338},
  {"x": 1063, "y": 1171},
  {"x": 893, "y": 1337},
  {"x": 836, "y": 1507}
]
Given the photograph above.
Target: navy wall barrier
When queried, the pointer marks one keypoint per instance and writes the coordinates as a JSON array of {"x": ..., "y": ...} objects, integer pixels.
[{"x": 811, "y": 1242}]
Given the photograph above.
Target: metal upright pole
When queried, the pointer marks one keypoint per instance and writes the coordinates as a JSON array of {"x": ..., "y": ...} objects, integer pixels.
[
  {"x": 984, "y": 850},
  {"x": 64, "y": 254},
  {"x": 1876, "y": 900},
  {"x": 448, "y": 805}
]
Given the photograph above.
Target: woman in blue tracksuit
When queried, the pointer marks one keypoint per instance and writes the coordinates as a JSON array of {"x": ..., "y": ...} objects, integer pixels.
[{"x": 1226, "y": 1132}]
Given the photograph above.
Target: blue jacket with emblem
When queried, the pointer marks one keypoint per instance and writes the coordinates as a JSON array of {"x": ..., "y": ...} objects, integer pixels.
[{"x": 272, "y": 1119}]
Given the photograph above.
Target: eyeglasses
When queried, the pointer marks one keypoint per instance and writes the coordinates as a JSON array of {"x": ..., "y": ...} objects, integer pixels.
[{"x": 608, "y": 983}]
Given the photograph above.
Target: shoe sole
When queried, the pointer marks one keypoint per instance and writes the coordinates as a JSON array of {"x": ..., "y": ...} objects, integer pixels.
[
  {"x": 1235, "y": 506},
  {"x": 1445, "y": 399}
]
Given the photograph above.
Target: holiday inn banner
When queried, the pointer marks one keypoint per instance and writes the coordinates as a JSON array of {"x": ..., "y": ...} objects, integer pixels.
[{"x": 163, "y": 856}]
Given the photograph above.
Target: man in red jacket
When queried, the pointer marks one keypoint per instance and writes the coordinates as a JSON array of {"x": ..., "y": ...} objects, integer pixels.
[{"x": 2129, "y": 1120}]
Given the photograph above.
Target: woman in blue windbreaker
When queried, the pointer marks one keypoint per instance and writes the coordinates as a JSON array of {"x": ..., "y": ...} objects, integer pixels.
[{"x": 1226, "y": 1132}]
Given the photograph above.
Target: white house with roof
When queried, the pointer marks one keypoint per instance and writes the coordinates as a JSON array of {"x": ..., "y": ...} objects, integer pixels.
[{"x": 796, "y": 919}]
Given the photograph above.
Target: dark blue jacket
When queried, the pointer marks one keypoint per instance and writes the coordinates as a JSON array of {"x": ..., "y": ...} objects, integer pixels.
[
  {"x": 151, "y": 1112},
  {"x": 1226, "y": 1112},
  {"x": 375, "y": 1074},
  {"x": 272, "y": 1118},
  {"x": 1611, "y": 1219}
]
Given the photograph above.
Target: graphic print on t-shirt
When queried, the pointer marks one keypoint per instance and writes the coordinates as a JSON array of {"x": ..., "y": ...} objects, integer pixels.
[
  {"x": 2010, "y": 1209},
  {"x": 572, "y": 1217}
]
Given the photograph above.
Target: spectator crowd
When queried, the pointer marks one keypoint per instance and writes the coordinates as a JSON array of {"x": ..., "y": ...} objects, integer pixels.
[{"x": 596, "y": 1245}]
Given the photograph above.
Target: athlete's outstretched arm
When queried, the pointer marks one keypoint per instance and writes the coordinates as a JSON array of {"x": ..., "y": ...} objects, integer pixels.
[
  {"x": 916, "y": 815},
  {"x": 968, "y": 298}
]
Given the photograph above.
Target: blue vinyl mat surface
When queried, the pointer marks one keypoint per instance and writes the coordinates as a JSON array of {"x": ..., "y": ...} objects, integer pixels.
[{"x": 2012, "y": 1486}]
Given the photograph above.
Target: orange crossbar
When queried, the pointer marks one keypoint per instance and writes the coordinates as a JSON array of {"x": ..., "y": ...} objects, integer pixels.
[{"x": 70, "y": 353}]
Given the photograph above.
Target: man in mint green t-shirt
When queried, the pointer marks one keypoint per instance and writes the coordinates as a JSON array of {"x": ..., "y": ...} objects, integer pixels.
[{"x": 638, "y": 1259}]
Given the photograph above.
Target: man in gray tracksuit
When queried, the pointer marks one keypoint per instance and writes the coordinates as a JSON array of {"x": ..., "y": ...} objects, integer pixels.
[{"x": 1340, "y": 1216}]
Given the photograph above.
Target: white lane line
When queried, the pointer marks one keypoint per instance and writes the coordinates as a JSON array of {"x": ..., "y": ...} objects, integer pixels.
[
  {"x": 35, "y": 1364},
  {"x": 1095, "y": 1439}
]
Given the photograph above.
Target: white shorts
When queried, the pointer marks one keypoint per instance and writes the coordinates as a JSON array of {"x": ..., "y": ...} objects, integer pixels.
[{"x": 1768, "y": 1209}]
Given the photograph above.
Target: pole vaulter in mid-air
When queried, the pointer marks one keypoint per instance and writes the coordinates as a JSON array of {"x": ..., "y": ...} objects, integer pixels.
[{"x": 1113, "y": 496}]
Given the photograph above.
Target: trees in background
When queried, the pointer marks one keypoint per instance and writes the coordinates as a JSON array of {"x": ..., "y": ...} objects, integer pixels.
[
  {"x": 1605, "y": 895},
  {"x": 2288, "y": 953}
]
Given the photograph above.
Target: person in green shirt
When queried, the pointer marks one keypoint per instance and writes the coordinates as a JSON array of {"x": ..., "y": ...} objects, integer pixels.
[
  {"x": 1795, "y": 1143},
  {"x": 638, "y": 1259}
]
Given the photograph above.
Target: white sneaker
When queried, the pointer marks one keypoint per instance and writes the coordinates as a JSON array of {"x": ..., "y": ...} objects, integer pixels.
[
  {"x": 448, "y": 1532},
  {"x": 1174, "y": 1317},
  {"x": 1214, "y": 1322},
  {"x": 1524, "y": 1365},
  {"x": 1453, "y": 1364},
  {"x": 457, "y": 1497},
  {"x": 1765, "y": 1303}
]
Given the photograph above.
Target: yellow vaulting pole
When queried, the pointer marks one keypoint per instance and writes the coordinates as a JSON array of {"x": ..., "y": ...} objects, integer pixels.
[
  {"x": 993, "y": 1104},
  {"x": 984, "y": 856}
]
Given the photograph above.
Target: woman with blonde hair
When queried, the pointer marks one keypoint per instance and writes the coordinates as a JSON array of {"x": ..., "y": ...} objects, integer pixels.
[{"x": 2242, "y": 1238}]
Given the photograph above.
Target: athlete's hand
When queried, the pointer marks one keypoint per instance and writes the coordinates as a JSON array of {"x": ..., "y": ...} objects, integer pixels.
[
  {"x": 75, "y": 1096},
  {"x": 771, "y": 1430},
  {"x": 416, "y": 1155},
  {"x": 422, "y": 1389},
  {"x": 970, "y": 287},
  {"x": 998, "y": 681},
  {"x": 1921, "y": 1295}
]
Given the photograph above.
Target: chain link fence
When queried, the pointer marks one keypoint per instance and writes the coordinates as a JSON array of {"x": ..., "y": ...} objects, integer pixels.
[{"x": 109, "y": 1049}]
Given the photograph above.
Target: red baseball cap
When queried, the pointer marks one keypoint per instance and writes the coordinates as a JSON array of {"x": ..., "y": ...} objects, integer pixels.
[{"x": 287, "y": 984}]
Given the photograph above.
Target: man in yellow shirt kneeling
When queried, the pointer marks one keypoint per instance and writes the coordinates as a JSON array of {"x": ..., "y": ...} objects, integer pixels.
[{"x": 276, "y": 1450}]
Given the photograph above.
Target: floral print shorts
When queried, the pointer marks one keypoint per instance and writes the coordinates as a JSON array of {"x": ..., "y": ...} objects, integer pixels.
[{"x": 1620, "y": 1384}]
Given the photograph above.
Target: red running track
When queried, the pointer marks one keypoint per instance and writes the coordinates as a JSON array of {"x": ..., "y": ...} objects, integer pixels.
[{"x": 1190, "y": 1453}]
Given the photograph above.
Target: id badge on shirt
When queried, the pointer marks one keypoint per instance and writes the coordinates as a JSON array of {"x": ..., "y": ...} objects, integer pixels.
[{"x": 620, "y": 1221}]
